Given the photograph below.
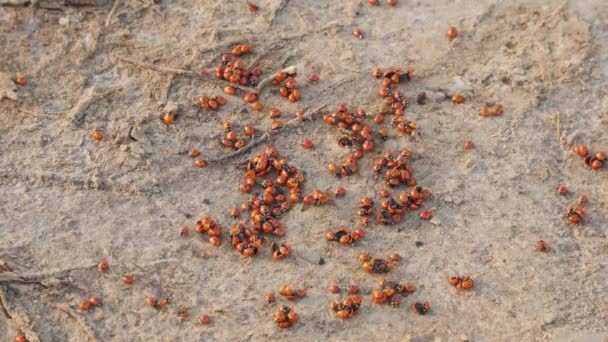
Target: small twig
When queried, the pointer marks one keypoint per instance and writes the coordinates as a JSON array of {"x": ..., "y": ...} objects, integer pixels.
[
  {"x": 45, "y": 279},
  {"x": 156, "y": 263},
  {"x": 14, "y": 3},
  {"x": 242, "y": 150},
  {"x": 278, "y": 10},
  {"x": 267, "y": 135},
  {"x": 189, "y": 73},
  {"x": 292, "y": 69},
  {"x": 112, "y": 12},
  {"x": 559, "y": 128},
  {"x": 293, "y": 122},
  {"x": 256, "y": 60},
  {"x": 158, "y": 67},
  {"x": 4, "y": 305},
  {"x": 76, "y": 114},
  {"x": 80, "y": 2},
  {"x": 31, "y": 279},
  {"x": 307, "y": 33},
  {"x": 79, "y": 319},
  {"x": 227, "y": 42},
  {"x": 299, "y": 256},
  {"x": 16, "y": 319},
  {"x": 287, "y": 59}
]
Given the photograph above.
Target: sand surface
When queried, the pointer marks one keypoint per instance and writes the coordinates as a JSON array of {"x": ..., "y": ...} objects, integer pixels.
[{"x": 68, "y": 202}]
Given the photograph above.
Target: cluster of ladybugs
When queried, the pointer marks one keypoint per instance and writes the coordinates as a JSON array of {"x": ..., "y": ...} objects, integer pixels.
[
  {"x": 266, "y": 207},
  {"x": 317, "y": 197},
  {"x": 289, "y": 88},
  {"x": 390, "y": 292},
  {"x": 348, "y": 306},
  {"x": 231, "y": 138},
  {"x": 344, "y": 237},
  {"x": 248, "y": 241},
  {"x": 461, "y": 283},
  {"x": 396, "y": 102},
  {"x": 391, "y": 211},
  {"x": 285, "y": 316},
  {"x": 241, "y": 49},
  {"x": 574, "y": 214},
  {"x": 496, "y": 110},
  {"x": 159, "y": 304},
  {"x": 356, "y": 135},
  {"x": 244, "y": 241},
  {"x": 366, "y": 209},
  {"x": 274, "y": 115},
  {"x": 85, "y": 305},
  {"x": 595, "y": 162},
  {"x": 290, "y": 294},
  {"x": 235, "y": 72},
  {"x": 398, "y": 169},
  {"x": 377, "y": 265},
  {"x": 213, "y": 229},
  {"x": 412, "y": 200},
  {"x": 205, "y": 102}
]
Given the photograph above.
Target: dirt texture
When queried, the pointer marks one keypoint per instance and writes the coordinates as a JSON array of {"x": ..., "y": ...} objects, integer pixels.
[{"x": 67, "y": 202}]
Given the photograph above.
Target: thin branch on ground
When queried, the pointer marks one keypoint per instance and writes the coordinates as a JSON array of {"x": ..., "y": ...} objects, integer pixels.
[
  {"x": 16, "y": 319},
  {"x": 45, "y": 279},
  {"x": 292, "y": 69},
  {"x": 308, "y": 33},
  {"x": 252, "y": 144},
  {"x": 189, "y": 73},
  {"x": 267, "y": 135},
  {"x": 277, "y": 11},
  {"x": 77, "y": 113},
  {"x": 78, "y": 318},
  {"x": 4, "y": 305},
  {"x": 109, "y": 17}
]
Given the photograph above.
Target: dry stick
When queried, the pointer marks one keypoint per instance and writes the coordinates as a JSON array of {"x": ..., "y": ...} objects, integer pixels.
[
  {"x": 559, "y": 129},
  {"x": 257, "y": 59},
  {"x": 87, "y": 330},
  {"x": 292, "y": 69},
  {"x": 267, "y": 135},
  {"x": 158, "y": 67},
  {"x": 183, "y": 72},
  {"x": 278, "y": 9},
  {"x": 14, "y": 3},
  {"x": 33, "y": 279},
  {"x": 76, "y": 114},
  {"x": 321, "y": 30},
  {"x": 242, "y": 150},
  {"x": 299, "y": 256},
  {"x": 4, "y": 305},
  {"x": 111, "y": 12},
  {"x": 80, "y": 2},
  {"x": 226, "y": 43},
  {"x": 14, "y": 317},
  {"x": 40, "y": 278}
]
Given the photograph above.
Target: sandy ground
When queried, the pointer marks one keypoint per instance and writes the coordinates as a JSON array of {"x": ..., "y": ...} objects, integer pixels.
[{"x": 67, "y": 202}]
